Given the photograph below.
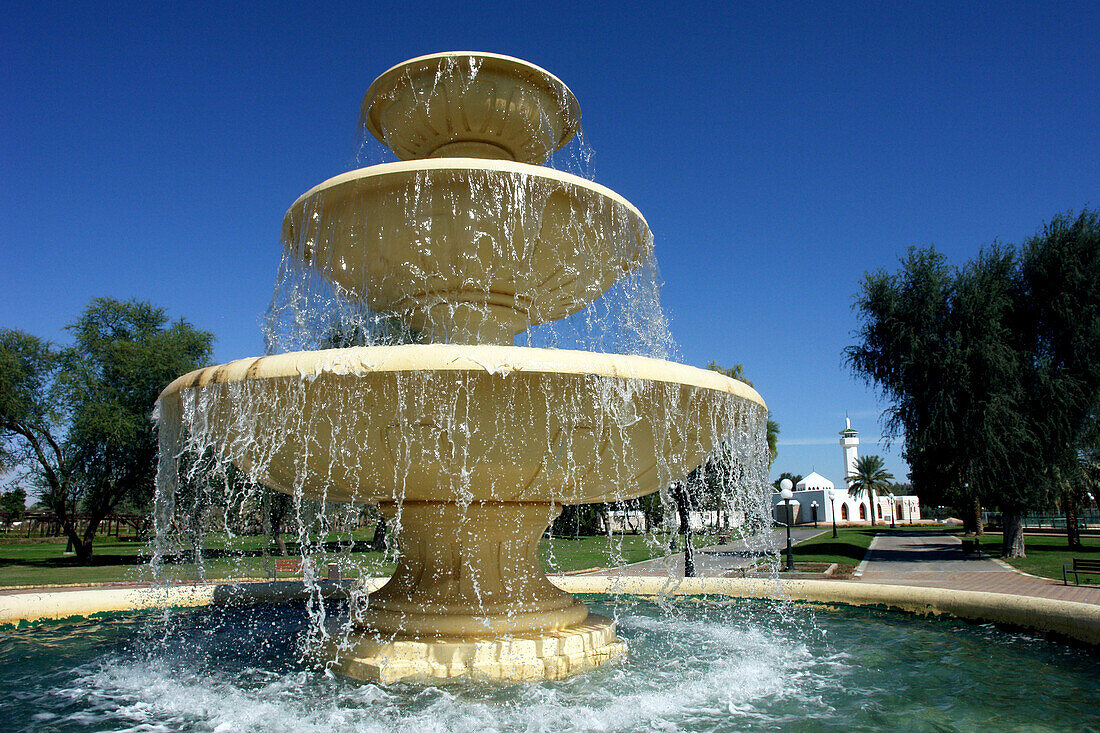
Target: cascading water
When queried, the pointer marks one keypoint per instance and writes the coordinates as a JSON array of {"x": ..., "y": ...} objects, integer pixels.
[{"x": 392, "y": 379}]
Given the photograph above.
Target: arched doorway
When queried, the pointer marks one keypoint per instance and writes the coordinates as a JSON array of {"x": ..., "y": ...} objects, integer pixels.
[
  {"x": 844, "y": 512},
  {"x": 862, "y": 513}
]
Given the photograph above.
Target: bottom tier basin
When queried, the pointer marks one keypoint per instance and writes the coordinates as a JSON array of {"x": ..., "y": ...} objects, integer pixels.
[
  {"x": 471, "y": 451},
  {"x": 460, "y": 423}
]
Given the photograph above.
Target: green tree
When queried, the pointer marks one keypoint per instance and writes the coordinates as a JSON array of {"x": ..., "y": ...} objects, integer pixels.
[
  {"x": 992, "y": 368},
  {"x": 1060, "y": 317},
  {"x": 80, "y": 417},
  {"x": 707, "y": 485},
  {"x": 942, "y": 344},
  {"x": 14, "y": 503},
  {"x": 869, "y": 477},
  {"x": 794, "y": 477}
]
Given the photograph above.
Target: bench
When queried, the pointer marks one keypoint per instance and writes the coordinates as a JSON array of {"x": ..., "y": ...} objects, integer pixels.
[
  {"x": 288, "y": 564},
  {"x": 294, "y": 564},
  {"x": 1080, "y": 566},
  {"x": 970, "y": 545}
]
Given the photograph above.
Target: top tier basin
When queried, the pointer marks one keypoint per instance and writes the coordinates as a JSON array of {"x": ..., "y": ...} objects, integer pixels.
[{"x": 470, "y": 105}]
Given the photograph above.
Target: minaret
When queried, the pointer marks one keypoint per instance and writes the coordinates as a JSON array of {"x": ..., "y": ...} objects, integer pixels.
[{"x": 849, "y": 444}]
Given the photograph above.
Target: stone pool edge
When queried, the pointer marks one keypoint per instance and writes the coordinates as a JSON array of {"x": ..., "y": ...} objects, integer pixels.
[{"x": 1069, "y": 619}]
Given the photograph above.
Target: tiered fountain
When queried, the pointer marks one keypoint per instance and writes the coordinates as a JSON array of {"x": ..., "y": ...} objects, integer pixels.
[{"x": 469, "y": 444}]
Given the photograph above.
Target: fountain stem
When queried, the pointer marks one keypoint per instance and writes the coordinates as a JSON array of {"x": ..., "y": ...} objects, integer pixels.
[{"x": 470, "y": 571}]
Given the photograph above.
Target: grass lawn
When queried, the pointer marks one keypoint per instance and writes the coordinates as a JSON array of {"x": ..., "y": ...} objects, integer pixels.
[
  {"x": 848, "y": 548},
  {"x": 565, "y": 554},
  {"x": 850, "y": 545},
  {"x": 1045, "y": 554},
  {"x": 44, "y": 562}
]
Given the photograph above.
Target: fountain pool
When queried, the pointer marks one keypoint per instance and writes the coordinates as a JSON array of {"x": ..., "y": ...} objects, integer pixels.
[{"x": 695, "y": 666}]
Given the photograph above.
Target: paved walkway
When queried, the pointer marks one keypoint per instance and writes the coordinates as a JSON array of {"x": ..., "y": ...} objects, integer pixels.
[
  {"x": 715, "y": 561},
  {"x": 935, "y": 560}
]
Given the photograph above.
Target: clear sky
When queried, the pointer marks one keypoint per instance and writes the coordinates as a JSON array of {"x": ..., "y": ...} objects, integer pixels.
[{"x": 777, "y": 150}]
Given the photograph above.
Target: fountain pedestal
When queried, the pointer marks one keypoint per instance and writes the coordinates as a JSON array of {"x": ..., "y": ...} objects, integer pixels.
[
  {"x": 469, "y": 597},
  {"x": 470, "y": 570}
]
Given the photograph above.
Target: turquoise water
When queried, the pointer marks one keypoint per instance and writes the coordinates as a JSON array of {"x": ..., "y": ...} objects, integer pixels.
[{"x": 739, "y": 666}]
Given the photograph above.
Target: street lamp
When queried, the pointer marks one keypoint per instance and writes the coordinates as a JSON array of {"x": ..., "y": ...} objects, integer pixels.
[
  {"x": 785, "y": 493},
  {"x": 813, "y": 508},
  {"x": 893, "y": 511},
  {"x": 832, "y": 495}
]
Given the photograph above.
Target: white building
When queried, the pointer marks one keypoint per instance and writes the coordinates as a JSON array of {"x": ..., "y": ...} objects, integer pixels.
[{"x": 816, "y": 495}]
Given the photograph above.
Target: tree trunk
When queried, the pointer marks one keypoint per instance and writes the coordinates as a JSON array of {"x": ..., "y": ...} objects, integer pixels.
[
  {"x": 976, "y": 508},
  {"x": 82, "y": 551},
  {"x": 872, "y": 495},
  {"x": 378, "y": 541},
  {"x": 1013, "y": 543},
  {"x": 84, "y": 548},
  {"x": 280, "y": 543},
  {"x": 1073, "y": 530},
  {"x": 681, "y": 498}
]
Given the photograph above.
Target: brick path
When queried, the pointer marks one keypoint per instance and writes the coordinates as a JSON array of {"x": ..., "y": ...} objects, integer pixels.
[{"x": 935, "y": 560}]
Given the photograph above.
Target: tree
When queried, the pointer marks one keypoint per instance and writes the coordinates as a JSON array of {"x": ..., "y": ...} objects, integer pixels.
[
  {"x": 683, "y": 497},
  {"x": 942, "y": 344},
  {"x": 869, "y": 477},
  {"x": 277, "y": 508},
  {"x": 794, "y": 477},
  {"x": 14, "y": 503},
  {"x": 1060, "y": 318},
  {"x": 992, "y": 368},
  {"x": 79, "y": 418},
  {"x": 707, "y": 485}
]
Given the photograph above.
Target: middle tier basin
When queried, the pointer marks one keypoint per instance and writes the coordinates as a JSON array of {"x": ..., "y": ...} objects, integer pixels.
[
  {"x": 461, "y": 423},
  {"x": 469, "y": 251}
]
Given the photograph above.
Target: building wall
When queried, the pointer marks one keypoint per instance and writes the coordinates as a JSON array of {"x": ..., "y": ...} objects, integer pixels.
[{"x": 907, "y": 507}]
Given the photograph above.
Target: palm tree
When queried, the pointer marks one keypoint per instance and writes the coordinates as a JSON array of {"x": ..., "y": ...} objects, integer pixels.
[{"x": 869, "y": 476}]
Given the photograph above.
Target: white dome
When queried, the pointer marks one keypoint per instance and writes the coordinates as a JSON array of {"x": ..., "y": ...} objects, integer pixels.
[{"x": 814, "y": 481}]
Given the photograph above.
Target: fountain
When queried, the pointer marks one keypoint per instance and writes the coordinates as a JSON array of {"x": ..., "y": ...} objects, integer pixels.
[{"x": 469, "y": 444}]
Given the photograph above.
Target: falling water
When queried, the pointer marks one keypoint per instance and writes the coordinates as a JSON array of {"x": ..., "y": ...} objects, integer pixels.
[{"x": 382, "y": 262}]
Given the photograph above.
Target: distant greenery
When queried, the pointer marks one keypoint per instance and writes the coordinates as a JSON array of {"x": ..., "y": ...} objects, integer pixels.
[
  {"x": 737, "y": 371},
  {"x": 794, "y": 477},
  {"x": 43, "y": 562},
  {"x": 14, "y": 502}
]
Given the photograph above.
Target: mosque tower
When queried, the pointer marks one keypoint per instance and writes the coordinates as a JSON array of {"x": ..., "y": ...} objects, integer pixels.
[{"x": 849, "y": 444}]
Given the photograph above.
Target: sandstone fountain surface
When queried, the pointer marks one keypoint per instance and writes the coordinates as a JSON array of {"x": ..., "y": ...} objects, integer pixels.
[{"x": 469, "y": 444}]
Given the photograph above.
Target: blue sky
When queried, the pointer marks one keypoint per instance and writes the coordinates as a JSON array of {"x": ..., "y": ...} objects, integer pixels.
[{"x": 778, "y": 151}]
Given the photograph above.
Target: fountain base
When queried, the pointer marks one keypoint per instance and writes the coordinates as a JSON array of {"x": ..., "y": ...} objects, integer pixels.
[
  {"x": 529, "y": 657},
  {"x": 469, "y": 598}
]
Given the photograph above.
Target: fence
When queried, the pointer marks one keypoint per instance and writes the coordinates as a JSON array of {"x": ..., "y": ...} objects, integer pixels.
[{"x": 1088, "y": 519}]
